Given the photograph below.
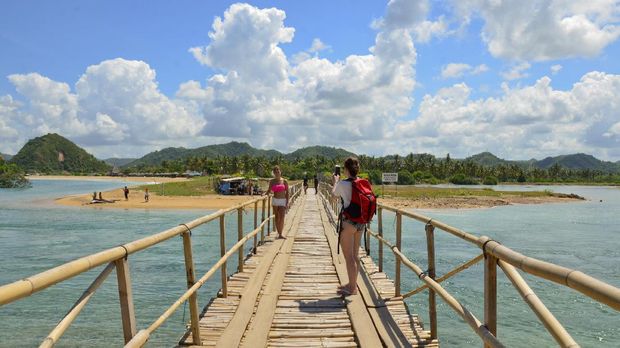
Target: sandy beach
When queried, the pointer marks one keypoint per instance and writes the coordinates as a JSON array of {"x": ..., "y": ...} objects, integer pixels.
[{"x": 214, "y": 201}]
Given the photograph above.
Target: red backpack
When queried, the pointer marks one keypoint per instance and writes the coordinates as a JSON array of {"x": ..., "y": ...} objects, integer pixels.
[{"x": 363, "y": 202}]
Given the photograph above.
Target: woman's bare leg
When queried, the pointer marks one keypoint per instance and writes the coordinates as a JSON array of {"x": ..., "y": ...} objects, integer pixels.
[
  {"x": 347, "y": 241},
  {"x": 280, "y": 220}
]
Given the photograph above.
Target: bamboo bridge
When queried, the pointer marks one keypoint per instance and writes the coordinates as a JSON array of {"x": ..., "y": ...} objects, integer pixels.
[{"x": 283, "y": 293}]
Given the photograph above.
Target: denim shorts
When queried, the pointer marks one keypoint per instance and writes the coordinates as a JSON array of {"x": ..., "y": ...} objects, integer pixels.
[{"x": 358, "y": 226}]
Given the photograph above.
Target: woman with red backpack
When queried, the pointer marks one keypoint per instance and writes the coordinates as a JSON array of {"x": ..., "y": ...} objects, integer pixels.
[{"x": 358, "y": 206}]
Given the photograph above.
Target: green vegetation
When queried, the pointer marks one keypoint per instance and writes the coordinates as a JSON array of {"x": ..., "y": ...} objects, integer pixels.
[
  {"x": 490, "y": 180},
  {"x": 461, "y": 179},
  {"x": 53, "y": 154},
  {"x": 44, "y": 155},
  {"x": 196, "y": 187},
  {"x": 11, "y": 176}
]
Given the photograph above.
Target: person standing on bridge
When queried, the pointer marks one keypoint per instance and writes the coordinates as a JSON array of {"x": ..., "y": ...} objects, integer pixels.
[
  {"x": 279, "y": 186},
  {"x": 351, "y": 232}
]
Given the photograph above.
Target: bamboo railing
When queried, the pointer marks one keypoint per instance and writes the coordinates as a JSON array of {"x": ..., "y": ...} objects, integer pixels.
[
  {"x": 494, "y": 254},
  {"x": 118, "y": 258}
]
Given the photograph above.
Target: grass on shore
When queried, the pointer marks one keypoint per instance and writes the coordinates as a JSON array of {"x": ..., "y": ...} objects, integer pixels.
[{"x": 198, "y": 186}]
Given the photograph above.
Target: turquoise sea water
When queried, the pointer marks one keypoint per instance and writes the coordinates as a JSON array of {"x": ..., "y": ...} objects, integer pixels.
[{"x": 36, "y": 235}]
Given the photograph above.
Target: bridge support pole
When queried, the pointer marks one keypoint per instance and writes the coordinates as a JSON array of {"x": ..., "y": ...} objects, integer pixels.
[
  {"x": 191, "y": 280},
  {"x": 399, "y": 228},
  {"x": 490, "y": 294},
  {"x": 222, "y": 252},
  {"x": 380, "y": 228},
  {"x": 262, "y": 229},
  {"x": 268, "y": 217},
  {"x": 432, "y": 303},
  {"x": 240, "y": 237},
  {"x": 125, "y": 295},
  {"x": 255, "y": 225}
]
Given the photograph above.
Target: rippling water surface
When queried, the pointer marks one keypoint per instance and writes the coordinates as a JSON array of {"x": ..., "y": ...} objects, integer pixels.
[{"x": 36, "y": 235}]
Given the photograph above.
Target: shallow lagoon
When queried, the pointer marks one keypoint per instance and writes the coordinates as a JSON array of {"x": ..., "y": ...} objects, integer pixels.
[{"x": 36, "y": 235}]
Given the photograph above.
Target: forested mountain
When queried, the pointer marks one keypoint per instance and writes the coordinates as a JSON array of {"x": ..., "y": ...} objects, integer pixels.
[
  {"x": 313, "y": 151},
  {"x": 573, "y": 161},
  {"x": 5, "y": 156},
  {"x": 578, "y": 161},
  {"x": 52, "y": 153},
  {"x": 233, "y": 149},
  {"x": 118, "y": 162}
]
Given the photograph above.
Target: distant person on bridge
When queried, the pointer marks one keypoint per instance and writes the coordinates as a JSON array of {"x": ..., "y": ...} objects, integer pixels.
[
  {"x": 351, "y": 232},
  {"x": 316, "y": 184},
  {"x": 279, "y": 186},
  {"x": 305, "y": 183}
]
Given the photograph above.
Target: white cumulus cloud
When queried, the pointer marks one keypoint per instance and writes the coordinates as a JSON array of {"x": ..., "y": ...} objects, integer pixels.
[
  {"x": 455, "y": 70},
  {"x": 544, "y": 29},
  {"x": 525, "y": 122}
]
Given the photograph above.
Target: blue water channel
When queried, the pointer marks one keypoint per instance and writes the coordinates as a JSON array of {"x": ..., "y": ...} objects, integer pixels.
[{"x": 36, "y": 234}]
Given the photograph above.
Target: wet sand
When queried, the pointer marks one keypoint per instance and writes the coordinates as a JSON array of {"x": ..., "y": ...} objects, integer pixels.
[{"x": 472, "y": 202}]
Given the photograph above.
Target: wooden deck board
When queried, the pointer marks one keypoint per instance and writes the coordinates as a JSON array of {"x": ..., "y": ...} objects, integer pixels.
[{"x": 291, "y": 300}]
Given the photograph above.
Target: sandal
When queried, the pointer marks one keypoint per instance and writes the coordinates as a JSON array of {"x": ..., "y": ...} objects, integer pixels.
[{"x": 346, "y": 292}]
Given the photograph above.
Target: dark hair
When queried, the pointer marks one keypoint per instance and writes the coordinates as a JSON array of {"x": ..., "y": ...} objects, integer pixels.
[{"x": 353, "y": 165}]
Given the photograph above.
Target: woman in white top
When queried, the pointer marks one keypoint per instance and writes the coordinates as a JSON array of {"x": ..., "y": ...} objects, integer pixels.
[{"x": 351, "y": 232}]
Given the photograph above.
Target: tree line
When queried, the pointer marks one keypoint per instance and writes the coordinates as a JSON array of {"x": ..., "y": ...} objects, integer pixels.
[{"x": 411, "y": 169}]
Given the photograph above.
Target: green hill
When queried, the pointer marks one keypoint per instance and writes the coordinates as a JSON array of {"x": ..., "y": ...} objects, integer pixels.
[
  {"x": 175, "y": 153},
  {"x": 578, "y": 161},
  {"x": 52, "y": 153},
  {"x": 325, "y": 151},
  {"x": 5, "y": 156},
  {"x": 487, "y": 159},
  {"x": 233, "y": 149}
]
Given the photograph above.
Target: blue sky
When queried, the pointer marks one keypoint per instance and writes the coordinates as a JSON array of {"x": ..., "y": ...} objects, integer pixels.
[{"x": 519, "y": 78}]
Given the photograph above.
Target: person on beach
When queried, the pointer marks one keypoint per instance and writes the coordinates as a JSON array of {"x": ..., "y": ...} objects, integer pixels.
[
  {"x": 279, "y": 186},
  {"x": 351, "y": 233},
  {"x": 146, "y": 194},
  {"x": 126, "y": 193},
  {"x": 100, "y": 197},
  {"x": 95, "y": 196}
]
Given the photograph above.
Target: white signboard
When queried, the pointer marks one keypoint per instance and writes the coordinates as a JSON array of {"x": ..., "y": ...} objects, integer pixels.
[{"x": 390, "y": 177}]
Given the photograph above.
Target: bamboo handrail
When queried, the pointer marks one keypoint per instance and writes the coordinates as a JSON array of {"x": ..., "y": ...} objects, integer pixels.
[
  {"x": 561, "y": 336},
  {"x": 469, "y": 318},
  {"x": 143, "y": 335},
  {"x": 587, "y": 285},
  {"x": 448, "y": 275},
  {"x": 507, "y": 259},
  {"x": 30, "y": 285},
  {"x": 68, "y": 319}
]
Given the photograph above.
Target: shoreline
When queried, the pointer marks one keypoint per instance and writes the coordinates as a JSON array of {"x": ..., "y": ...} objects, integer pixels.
[{"x": 216, "y": 201}]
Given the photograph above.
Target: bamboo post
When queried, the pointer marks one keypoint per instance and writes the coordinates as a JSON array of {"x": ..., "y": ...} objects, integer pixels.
[
  {"x": 255, "y": 225},
  {"x": 432, "y": 303},
  {"x": 239, "y": 237},
  {"x": 222, "y": 252},
  {"x": 380, "y": 228},
  {"x": 269, "y": 217},
  {"x": 191, "y": 280},
  {"x": 399, "y": 227},
  {"x": 125, "y": 297},
  {"x": 262, "y": 230},
  {"x": 490, "y": 294}
]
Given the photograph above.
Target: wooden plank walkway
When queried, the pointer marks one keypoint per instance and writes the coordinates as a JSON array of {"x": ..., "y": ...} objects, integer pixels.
[{"x": 286, "y": 296}]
